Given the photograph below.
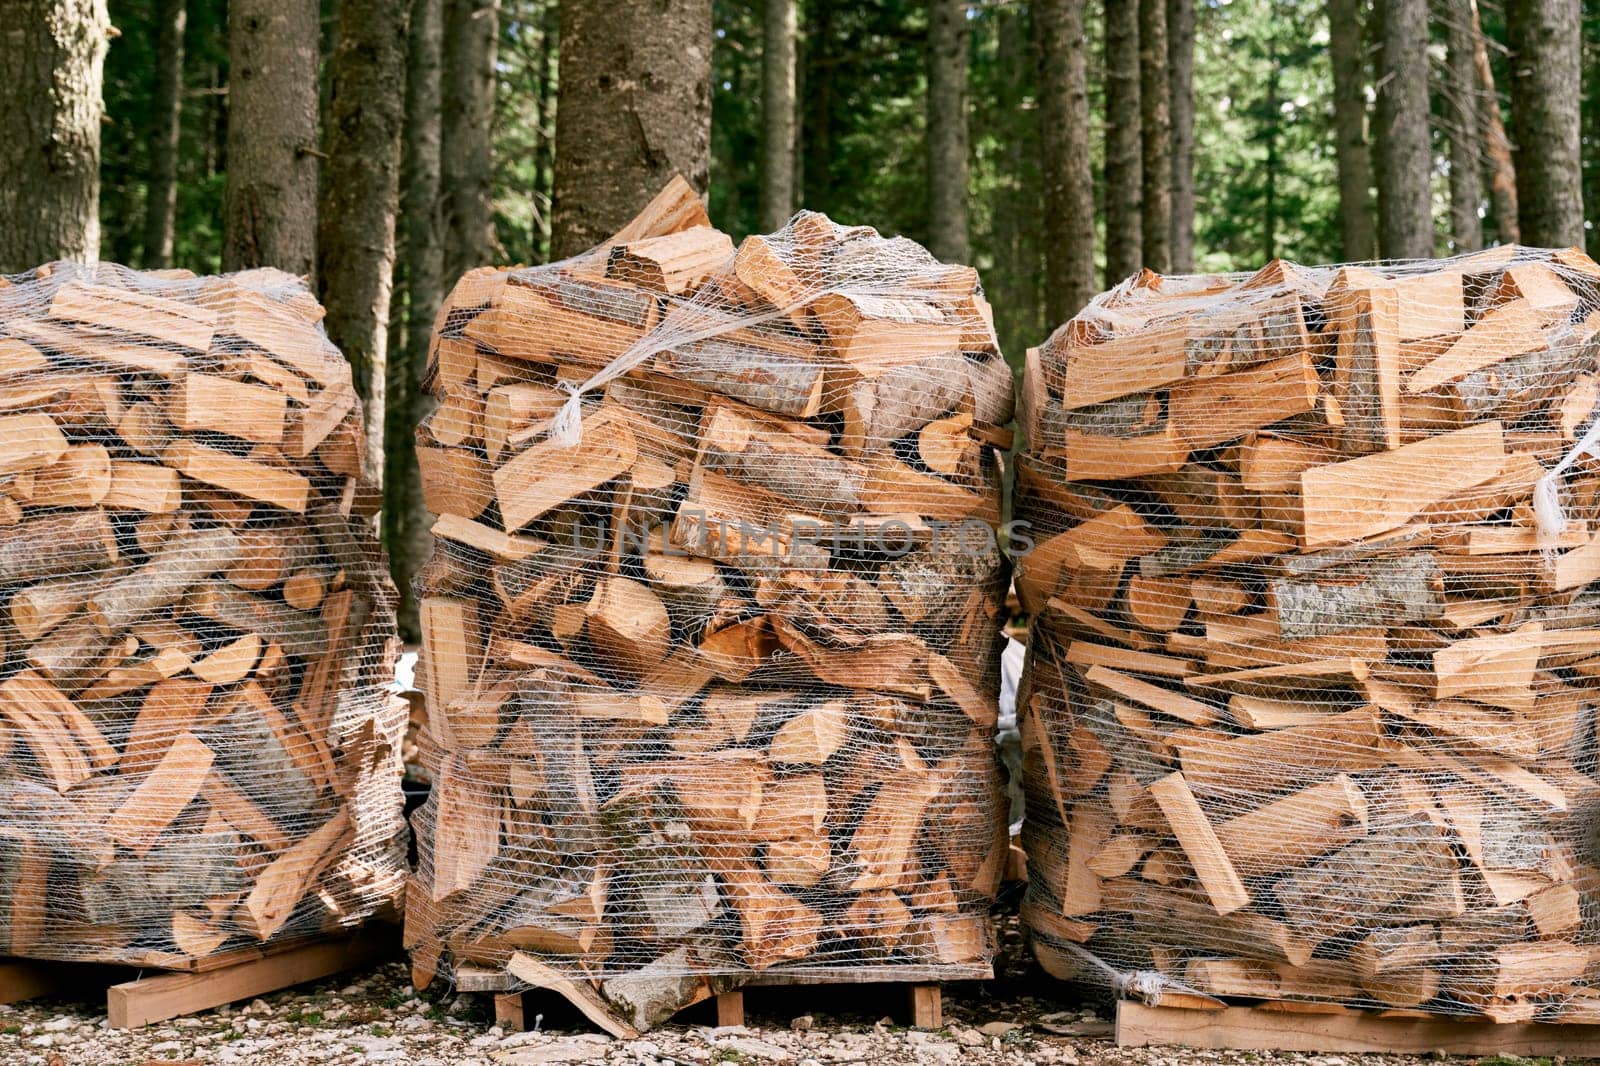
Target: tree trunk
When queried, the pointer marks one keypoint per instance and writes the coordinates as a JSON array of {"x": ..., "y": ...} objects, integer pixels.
[
  {"x": 1156, "y": 124},
  {"x": 551, "y": 32},
  {"x": 818, "y": 74},
  {"x": 947, "y": 130},
  {"x": 1499, "y": 172},
  {"x": 1064, "y": 140},
  {"x": 1124, "y": 183},
  {"x": 633, "y": 109},
  {"x": 1015, "y": 283},
  {"x": 1180, "y": 104},
  {"x": 405, "y": 520},
  {"x": 1461, "y": 116},
  {"x": 1269, "y": 182},
  {"x": 161, "y": 195},
  {"x": 1545, "y": 38},
  {"x": 51, "y": 58},
  {"x": 1350, "y": 129},
  {"x": 777, "y": 114},
  {"x": 361, "y": 184},
  {"x": 471, "y": 39},
  {"x": 1405, "y": 215},
  {"x": 270, "y": 203}
]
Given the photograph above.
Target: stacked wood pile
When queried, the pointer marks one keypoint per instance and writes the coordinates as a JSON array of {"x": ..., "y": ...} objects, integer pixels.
[
  {"x": 713, "y": 690},
  {"x": 196, "y": 757},
  {"x": 1310, "y": 709}
]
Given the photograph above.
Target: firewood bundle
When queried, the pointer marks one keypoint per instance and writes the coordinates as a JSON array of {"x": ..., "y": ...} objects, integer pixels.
[
  {"x": 196, "y": 756},
  {"x": 1310, "y": 709},
  {"x": 711, "y": 682}
]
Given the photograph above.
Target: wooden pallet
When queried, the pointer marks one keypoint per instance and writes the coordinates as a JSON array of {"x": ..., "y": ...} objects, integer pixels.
[
  {"x": 1333, "y": 1029},
  {"x": 921, "y": 987},
  {"x": 171, "y": 993}
]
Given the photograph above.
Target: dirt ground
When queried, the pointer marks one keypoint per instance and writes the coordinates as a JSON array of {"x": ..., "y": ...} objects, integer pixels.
[{"x": 1023, "y": 1017}]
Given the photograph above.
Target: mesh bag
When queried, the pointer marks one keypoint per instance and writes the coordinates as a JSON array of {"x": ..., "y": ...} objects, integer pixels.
[
  {"x": 1309, "y": 708},
  {"x": 196, "y": 753},
  {"x": 710, "y": 634}
]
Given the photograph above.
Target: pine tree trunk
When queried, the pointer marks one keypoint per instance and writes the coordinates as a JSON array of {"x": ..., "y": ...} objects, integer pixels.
[
  {"x": 360, "y": 192},
  {"x": 1015, "y": 283},
  {"x": 1064, "y": 144},
  {"x": 1461, "y": 117},
  {"x": 1357, "y": 237},
  {"x": 1405, "y": 215},
  {"x": 270, "y": 204},
  {"x": 1124, "y": 182},
  {"x": 633, "y": 109},
  {"x": 817, "y": 101},
  {"x": 777, "y": 113},
  {"x": 1180, "y": 103},
  {"x": 947, "y": 130},
  {"x": 161, "y": 195},
  {"x": 1270, "y": 166},
  {"x": 1545, "y": 38},
  {"x": 1156, "y": 147},
  {"x": 51, "y": 58},
  {"x": 550, "y": 19},
  {"x": 1498, "y": 171},
  {"x": 405, "y": 520},
  {"x": 466, "y": 182}
]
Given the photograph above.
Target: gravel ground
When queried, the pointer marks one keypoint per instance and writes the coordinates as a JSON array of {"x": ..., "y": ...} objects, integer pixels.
[{"x": 1021, "y": 1018}]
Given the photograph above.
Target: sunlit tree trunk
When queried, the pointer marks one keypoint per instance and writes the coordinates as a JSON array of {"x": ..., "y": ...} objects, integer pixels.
[{"x": 1064, "y": 140}]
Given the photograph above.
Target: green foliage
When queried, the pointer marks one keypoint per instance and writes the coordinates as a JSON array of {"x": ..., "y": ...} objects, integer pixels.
[{"x": 525, "y": 130}]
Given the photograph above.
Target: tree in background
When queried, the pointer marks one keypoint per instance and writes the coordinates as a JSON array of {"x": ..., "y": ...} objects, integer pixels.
[
  {"x": 777, "y": 113},
  {"x": 1405, "y": 156},
  {"x": 1180, "y": 105},
  {"x": 1499, "y": 172},
  {"x": 1545, "y": 38},
  {"x": 1155, "y": 137},
  {"x": 1064, "y": 133},
  {"x": 360, "y": 192},
  {"x": 947, "y": 130},
  {"x": 405, "y": 519},
  {"x": 166, "y": 128},
  {"x": 466, "y": 162},
  {"x": 634, "y": 108},
  {"x": 1124, "y": 181},
  {"x": 270, "y": 205},
  {"x": 1461, "y": 130},
  {"x": 51, "y": 59},
  {"x": 1357, "y": 235}
]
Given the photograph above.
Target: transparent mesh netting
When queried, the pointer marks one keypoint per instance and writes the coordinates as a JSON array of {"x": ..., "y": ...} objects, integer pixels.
[
  {"x": 1309, "y": 708},
  {"x": 197, "y": 756},
  {"x": 711, "y": 628}
]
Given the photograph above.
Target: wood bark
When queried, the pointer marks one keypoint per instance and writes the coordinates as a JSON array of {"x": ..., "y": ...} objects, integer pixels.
[
  {"x": 161, "y": 195},
  {"x": 1462, "y": 129},
  {"x": 948, "y": 38},
  {"x": 1180, "y": 105},
  {"x": 359, "y": 199},
  {"x": 777, "y": 113},
  {"x": 51, "y": 57},
  {"x": 466, "y": 165},
  {"x": 269, "y": 210},
  {"x": 1405, "y": 216},
  {"x": 1124, "y": 176},
  {"x": 1546, "y": 42},
  {"x": 1357, "y": 236},
  {"x": 405, "y": 519},
  {"x": 1064, "y": 143},
  {"x": 1156, "y": 136},
  {"x": 1499, "y": 172},
  {"x": 634, "y": 108}
]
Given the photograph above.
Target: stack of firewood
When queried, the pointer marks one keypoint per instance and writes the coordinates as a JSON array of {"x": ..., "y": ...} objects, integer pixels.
[
  {"x": 712, "y": 689},
  {"x": 1310, "y": 710},
  {"x": 196, "y": 755}
]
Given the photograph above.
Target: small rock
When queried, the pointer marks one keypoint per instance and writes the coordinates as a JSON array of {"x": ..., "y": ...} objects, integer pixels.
[
  {"x": 997, "y": 1028},
  {"x": 803, "y": 1023}
]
